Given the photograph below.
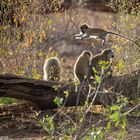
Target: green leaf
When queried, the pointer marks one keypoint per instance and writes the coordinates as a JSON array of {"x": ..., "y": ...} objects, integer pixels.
[
  {"x": 49, "y": 21},
  {"x": 121, "y": 64},
  {"x": 97, "y": 79},
  {"x": 115, "y": 107},
  {"x": 115, "y": 118},
  {"x": 66, "y": 93},
  {"x": 6, "y": 100},
  {"x": 94, "y": 70},
  {"x": 108, "y": 126},
  {"x": 40, "y": 54},
  {"x": 58, "y": 101}
]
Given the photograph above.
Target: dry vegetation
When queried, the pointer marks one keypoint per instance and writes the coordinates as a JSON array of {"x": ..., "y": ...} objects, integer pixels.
[{"x": 31, "y": 32}]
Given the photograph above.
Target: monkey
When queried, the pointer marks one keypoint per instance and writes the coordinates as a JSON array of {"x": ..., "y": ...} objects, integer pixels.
[
  {"x": 81, "y": 67},
  {"x": 88, "y": 32},
  {"x": 52, "y": 69},
  {"x": 105, "y": 55},
  {"x": 81, "y": 70}
]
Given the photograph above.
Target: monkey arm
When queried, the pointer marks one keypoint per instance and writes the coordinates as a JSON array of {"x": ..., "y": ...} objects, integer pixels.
[
  {"x": 78, "y": 36},
  {"x": 83, "y": 36}
]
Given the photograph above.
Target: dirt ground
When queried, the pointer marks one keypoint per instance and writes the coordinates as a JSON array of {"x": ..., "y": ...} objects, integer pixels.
[{"x": 22, "y": 124}]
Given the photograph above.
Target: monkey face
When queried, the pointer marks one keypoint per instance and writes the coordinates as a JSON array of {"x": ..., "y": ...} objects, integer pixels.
[
  {"x": 84, "y": 28},
  {"x": 109, "y": 53}
]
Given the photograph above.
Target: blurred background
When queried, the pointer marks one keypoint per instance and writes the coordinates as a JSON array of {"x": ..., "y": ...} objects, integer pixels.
[{"x": 32, "y": 31}]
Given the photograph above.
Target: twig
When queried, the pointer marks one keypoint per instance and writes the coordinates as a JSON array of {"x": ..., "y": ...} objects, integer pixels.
[
  {"x": 96, "y": 92},
  {"x": 126, "y": 113}
]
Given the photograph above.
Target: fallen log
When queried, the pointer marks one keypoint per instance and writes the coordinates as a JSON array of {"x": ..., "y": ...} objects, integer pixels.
[{"x": 43, "y": 93}]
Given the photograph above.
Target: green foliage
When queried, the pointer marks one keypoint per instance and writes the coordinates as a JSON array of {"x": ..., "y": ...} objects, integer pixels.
[
  {"x": 126, "y": 6},
  {"x": 35, "y": 74},
  {"x": 6, "y": 100},
  {"x": 76, "y": 86},
  {"x": 101, "y": 72},
  {"x": 121, "y": 64},
  {"x": 98, "y": 79},
  {"x": 126, "y": 53},
  {"x": 97, "y": 133},
  {"x": 50, "y": 22},
  {"x": 58, "y": 101},
  {"x": 48, "y": 125},
  {"x": 118, "y": 118},
  {"x": 66, "y": 93},
  {"x": 103, "y": 64},
  {"x": 23, "y": 40}
]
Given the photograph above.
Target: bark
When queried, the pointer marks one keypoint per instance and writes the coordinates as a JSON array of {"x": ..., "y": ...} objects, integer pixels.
[{"x": 42, "y": 93}]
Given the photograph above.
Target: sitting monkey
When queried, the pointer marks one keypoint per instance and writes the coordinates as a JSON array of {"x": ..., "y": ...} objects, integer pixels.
[
  {"x": 106, "y": 56},
  {"x": 81, "y": 67},
  {"x": 52, "y": 69}
]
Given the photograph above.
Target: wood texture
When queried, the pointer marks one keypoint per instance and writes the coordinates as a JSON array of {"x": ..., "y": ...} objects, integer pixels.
[{"x": 42, "y": 93}]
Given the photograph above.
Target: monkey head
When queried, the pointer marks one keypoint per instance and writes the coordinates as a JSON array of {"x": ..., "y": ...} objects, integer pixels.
[
  {"x": 108, "y": 53},
  {"x": 84, "y": 27},
  {"x": 87, "y": 53}
]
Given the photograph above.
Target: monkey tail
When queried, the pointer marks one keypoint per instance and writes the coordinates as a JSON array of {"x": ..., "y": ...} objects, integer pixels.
[{"x": 126, "y": 38}]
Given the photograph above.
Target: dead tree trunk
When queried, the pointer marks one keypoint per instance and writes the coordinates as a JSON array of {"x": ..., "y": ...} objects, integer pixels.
[{"x": 43, "y": 93}]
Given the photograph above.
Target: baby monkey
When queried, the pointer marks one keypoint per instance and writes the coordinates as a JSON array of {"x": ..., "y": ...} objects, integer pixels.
[
  {"x": 88, "y": 32},
  {"x": 106, "y": 56},
  {"x": 52, "y": 69},
  {"x": 81, "y": 67}
]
